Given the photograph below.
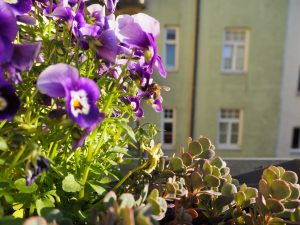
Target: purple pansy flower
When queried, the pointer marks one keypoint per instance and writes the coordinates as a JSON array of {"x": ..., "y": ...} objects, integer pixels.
[
  {"x": 33, "y": 169},
  {"x": 135, "y": 103},
  {"x": 9, "y": 101},
  {"x": 81, "y": 93},
  {"x": 20, "y": 6},
  {"x": 22, "y": 58},
  {"x": 109, "y": 49},
  {"x": 8, "y": 31},
  {"x": 111, "y": 5},
  {"x": 141, "y": 31}
]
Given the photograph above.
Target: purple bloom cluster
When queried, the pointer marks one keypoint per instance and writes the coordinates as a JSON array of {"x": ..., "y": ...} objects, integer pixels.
[
  {"x": 116, "y": 41},
  {"x": 14, "y": 58}
]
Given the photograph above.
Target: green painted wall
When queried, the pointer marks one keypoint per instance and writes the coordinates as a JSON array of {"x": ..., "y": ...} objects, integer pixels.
[
  {"x": 180, "y": 13},
  {"x": 257, "y": 92}
]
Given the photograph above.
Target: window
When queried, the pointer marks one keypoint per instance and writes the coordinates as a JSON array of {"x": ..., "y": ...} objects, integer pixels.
[
  {"x": 296, "y": 139},
  {"x": 235, "y": 49},
  {"x": 168, "y": 128},
  {"x": 171, "y": 48},
  {"x": 229, "y": 133}
]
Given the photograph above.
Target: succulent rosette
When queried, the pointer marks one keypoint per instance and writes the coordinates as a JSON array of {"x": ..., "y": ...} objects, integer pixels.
[{"x": 81, "y": 93}]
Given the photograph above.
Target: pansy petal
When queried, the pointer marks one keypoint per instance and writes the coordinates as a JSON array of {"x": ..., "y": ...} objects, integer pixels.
[
  {"x": 157, "y": 105},
  {"x": 6, "y": 49},
  {"x": 130, "y": 32},
  {"x": 140, "y": 113},
  {"x": 62, "y": 12},
  {"x": 109, "y": 48},
  {"x": 24, "y": 55},
  {"x": 111, "y": 5},
  {"x": 148, "y": 24},
  {"x": 21, "y": 6},
  {"x": 8, "y": 24},
  {"x": 160, "y": 67},
  {"x": 79, "y": 142},
  {"x": 56, "y": 78},
  {"x": 9, "y": 101},
  {"x": 83, "y": 120},
  {"x": 26, "y": 19},
  {"x": 91, "y": 88}
]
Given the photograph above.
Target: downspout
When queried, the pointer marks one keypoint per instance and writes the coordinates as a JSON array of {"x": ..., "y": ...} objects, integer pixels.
[{"x": 195, "y": 69}]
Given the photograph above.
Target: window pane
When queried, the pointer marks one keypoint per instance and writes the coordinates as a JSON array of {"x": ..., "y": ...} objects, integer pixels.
[
  {"x": 168, "y": 139},
  {"x": 295, "y": 141},
  {"x": 240, "y": 51},
  {"x": 234, "y": 139},
  {"x": 223, "y": 133},
  {"x": 223, "y": 127},
  {"x": 168, "y": 127},
  {"x": 235, "y": 128},
  {"x": 227, "y": 56},
  {"x": 170, "y": 53},
  {"x": 223, "y": 138},
  {"x": 171, "y": 34},
  {"x": 234, "y": 133}
]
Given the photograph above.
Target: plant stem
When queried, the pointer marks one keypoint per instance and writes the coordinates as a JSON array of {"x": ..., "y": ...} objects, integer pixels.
[{"x": 129, "y": 174}]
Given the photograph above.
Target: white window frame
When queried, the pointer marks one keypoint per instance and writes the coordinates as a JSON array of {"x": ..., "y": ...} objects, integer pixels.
[
  {"x": 176, "y": 43},
  {"x": 230, "y": 121},
  {"x": 235, "y": 45},
  {"x": 168, "y": 120}
]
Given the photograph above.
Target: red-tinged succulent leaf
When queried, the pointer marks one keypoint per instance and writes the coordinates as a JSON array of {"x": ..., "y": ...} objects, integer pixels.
[
  {"x": 205, "y": 143},
  {"x": 195, "y": 148},
  {"x": 274, "y": 205},
  {"x": 269, "y": 175},
  {"x": 290, "y": 176},
  {"x": 193, "y": 212},
  {"x": 280, "y": 189},
  {"x": 264, "y": 188}
]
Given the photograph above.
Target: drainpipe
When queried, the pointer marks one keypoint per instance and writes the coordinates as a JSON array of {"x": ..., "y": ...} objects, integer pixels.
[{"x": 195, "y": 69}]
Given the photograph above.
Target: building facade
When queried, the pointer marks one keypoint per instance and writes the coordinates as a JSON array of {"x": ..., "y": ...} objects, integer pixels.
[
  {"x": 245, "y": 71},
  {"x": 289, "y": 132}
]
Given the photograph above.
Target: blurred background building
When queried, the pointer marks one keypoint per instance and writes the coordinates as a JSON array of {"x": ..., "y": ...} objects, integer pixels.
[{"x": 233, "y": 69}]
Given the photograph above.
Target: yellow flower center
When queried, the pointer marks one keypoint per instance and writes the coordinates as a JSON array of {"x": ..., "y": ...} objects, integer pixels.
[{"x": 79, "y": 103}]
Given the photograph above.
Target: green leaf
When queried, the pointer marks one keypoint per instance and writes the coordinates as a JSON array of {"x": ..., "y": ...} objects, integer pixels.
[
  {"x": 43, "y": 203},
  {"x": 3, "y": 145},
  {"x": 20, "y": 184},
  {"x": 195, "y": 148},
  {"x": 128, "y": 130},
  {"x": 176, "y": 164},
  {"x": 280, "y": 189},
  {"x": 228, "y": 189},
  {"x": 69, "y": 184},
  {"x": 100, "y": 190},
  {"x": 290, "y": 176},
  {"x": 19, "y": 213},
  {"x": 205, "y": 143}
]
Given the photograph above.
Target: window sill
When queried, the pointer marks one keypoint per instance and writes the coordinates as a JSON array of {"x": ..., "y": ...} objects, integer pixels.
[
  {"x": 167, "y": 146},
  {"x": 171, "y": 70},
  {"x": 233, "y": 72},
  {"x": 228, "y": 147},
  {"x": 294, "y": 150}
]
